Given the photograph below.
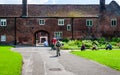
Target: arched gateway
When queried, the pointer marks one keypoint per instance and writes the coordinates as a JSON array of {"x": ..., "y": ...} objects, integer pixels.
[{"x": 41, "y": 36}]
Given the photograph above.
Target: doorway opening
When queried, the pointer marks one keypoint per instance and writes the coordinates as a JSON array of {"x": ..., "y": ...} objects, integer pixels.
[{"x": 40, "y": 37}]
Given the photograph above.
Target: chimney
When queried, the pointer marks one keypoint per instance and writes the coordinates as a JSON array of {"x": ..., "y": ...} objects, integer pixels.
[
  {"x": 102, "y": 5},
  {"x": 24, "y": 8}
]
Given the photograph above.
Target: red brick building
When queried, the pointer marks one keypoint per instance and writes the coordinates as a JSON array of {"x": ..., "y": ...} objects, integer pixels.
[{"x": 31, "y": 24}]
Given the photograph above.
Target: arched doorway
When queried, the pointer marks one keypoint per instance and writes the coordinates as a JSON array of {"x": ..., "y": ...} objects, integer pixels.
[{"x": 40, "y": 37}]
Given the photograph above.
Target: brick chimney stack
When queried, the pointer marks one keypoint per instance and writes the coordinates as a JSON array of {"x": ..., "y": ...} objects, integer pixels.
[
  {"x": 24, "y": 8},
  {"x": 102, "y": 5}
]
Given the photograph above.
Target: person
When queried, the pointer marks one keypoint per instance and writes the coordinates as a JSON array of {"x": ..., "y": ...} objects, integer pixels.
[
  {"x": 45, "y": 44},
  {"x": 94, "y": 47},
  {"x": 52, "y": 46},
  {"x": 109, "y": 46},
  {"x": 82, "y": 47},
  {"x": 58, "y": 45},
  {"x": 54, "y": 40}
]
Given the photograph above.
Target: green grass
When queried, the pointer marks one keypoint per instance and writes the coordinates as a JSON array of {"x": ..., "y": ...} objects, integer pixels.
[
  {"x": 10, "y": 62},
  {"x": 109, "y": 58}
]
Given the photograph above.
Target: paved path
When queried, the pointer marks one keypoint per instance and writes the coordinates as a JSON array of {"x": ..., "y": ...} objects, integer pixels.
[{"x": 42, "y": 61}]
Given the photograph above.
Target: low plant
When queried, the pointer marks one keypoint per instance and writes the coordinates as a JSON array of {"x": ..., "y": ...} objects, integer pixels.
[
  {"x": 65, "y": 40},
  {"x": 115, "y": 39},
  {"x": 100, "y": 43},
  {"x": 87, "y": 43}
]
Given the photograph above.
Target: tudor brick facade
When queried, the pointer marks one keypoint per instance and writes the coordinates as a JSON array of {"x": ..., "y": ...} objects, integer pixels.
[{"x": 79, "y": 22}]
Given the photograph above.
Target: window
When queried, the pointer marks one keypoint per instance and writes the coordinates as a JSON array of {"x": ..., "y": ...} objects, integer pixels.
[
  {"x": 60, "y": 22},
  {"x": 41, "y": 22},
  {"x": 68, "y": 27},
  {"x": 3, "y": 22},
  {"x": 58, "y": 35},
  {"x": 89, "y": 22},
  {"x": 113, "y": 22},
  {"x": 3, "y": 38}
]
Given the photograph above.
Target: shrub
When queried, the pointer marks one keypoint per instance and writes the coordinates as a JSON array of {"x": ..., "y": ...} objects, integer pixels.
[
  {"x": 118, "y": 40},
  {"x": 71, "y": 42},
  {"x": 102, "y": 46},
  {"x": 115, "y": 47},
  {"x": 66, "y": 46},
  {"x": 78, "y": 43},
  {"x": 95, "y": 42},
  {"x": 113, "y": 43},
  {"x": 65, "y": 40},
  {"x": 115, "y": 39},
  {"x": 70, "y": 45},
  {"x": 87, "y": 43},
  {"x": 118, "y": 44},
  {"x": 101, "y": 43},
  {"x": 102, "y": 40}
]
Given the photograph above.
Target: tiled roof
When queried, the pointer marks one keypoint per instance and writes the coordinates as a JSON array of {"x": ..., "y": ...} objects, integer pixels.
[
  {"x": 113, "y": 9},
  {"x": 50, "y": 10},
  {"x": 64, "y": 10},
  {"x": 58, "y": 10},
  {"x": 10, "y": 10}
]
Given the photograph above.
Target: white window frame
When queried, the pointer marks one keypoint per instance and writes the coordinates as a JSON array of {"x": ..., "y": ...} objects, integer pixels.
[
  {"x": 3, "y": 38},
  {"x": 113, "y": 20},
  {"x": 61, "y": 22},
  {"x": 3, "y": 22},
  {"x": 41, "y": 23},
  {"x": 89, "y": 20},
  {"x": 58, "y": 35},
  {"x": 69, "y": 29}
]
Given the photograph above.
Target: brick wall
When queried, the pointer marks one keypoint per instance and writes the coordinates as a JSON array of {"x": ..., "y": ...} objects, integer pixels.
[{"x": 26, "y": 28}]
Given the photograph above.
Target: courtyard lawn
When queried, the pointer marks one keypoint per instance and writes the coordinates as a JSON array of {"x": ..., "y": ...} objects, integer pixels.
[
  {"x": 110, "y": 58},
  {"x": 10, "y": 62}
]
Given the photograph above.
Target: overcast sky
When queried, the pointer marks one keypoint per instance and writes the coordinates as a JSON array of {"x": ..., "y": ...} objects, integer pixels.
[{"x": 55, "y": 1}]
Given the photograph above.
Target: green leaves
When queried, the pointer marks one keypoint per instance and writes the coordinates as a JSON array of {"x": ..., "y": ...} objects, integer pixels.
[{"x": 100, "y": 43}]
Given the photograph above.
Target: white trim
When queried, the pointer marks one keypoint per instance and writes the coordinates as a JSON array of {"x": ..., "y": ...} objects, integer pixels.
[
  {"x": 3, "y": 22},
  {"x": 41, "y": 37},
  {"x": 68, "y": 25},
  {"x": 61, "y": 22},
  {"x": 58, "y": 34},
  {"x": 3, "y": 38},
  {"x": 41, "y": 21},
  {"x": 89, "y": 20},
  {"x": 113, "y": 20}
]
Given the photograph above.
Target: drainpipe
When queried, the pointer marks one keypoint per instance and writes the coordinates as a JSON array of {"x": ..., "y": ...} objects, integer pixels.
[
  {"x": 72, "y": 28},
  {"x": 15, "y": 43}
]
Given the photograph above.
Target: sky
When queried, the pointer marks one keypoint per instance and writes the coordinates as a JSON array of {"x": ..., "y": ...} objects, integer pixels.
[{"x": 56, "y": 1}]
